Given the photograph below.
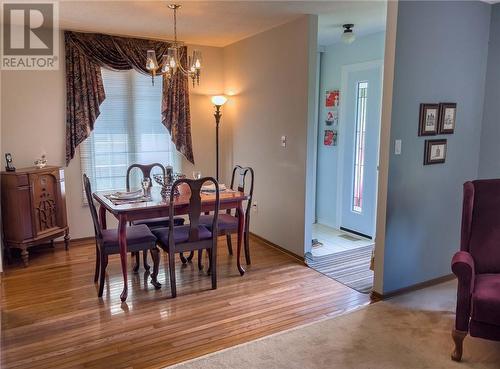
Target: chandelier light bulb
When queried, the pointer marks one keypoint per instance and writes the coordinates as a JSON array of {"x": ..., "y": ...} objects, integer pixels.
[{"x": 151, "y": 63}]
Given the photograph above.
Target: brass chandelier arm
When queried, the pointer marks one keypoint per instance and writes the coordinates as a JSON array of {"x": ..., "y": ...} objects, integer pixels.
[{"x": 171, "y": 62}]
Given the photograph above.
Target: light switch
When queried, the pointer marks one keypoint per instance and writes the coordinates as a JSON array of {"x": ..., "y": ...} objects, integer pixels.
[
  {"x": 283, "y": 141},
  {"x": 397, "y": 147}
]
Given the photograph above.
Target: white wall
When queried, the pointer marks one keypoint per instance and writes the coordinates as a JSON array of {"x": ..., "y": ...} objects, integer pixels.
[
  {"x": 33, "y": 121},
  {"x": 268, "y": 78}
]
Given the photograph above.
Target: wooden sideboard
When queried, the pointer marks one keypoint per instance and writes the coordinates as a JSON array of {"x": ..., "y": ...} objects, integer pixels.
[{"x": 33, "y": 208}]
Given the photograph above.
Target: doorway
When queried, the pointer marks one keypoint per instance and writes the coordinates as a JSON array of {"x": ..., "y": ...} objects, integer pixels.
[{"x": 344, "y": 232}]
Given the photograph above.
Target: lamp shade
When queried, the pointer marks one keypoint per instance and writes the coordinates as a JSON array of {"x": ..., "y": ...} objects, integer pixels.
[{"x": 219, "y": 100}]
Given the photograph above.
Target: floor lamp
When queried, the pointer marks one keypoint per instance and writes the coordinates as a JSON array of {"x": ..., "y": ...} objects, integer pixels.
[{"x": 218, "y": 101}]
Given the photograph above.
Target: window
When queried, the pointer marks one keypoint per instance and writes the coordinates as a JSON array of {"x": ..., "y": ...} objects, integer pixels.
[
  {"x": 128, "y": 130},
  {"x": 359, "y": 147}
]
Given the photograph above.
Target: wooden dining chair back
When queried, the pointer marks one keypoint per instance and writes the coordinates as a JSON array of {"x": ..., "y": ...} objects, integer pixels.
[
  {"x": 241, "y": 174},
  {"x": 146, "y": 171},
  {"x": 192, "y": 236},
  {"x": 93, "y": 211},
  {"x": 152, "y": 223},
  {"x": 139, "y": 238}
]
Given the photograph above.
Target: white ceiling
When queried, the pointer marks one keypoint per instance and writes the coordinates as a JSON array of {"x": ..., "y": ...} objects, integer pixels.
[{"x": 218, "y": 23}]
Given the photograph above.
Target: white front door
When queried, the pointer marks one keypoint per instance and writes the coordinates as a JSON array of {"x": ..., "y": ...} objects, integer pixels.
[{"x": 361, "y": 101}]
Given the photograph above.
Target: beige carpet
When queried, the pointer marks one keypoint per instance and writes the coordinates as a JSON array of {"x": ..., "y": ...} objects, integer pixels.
[{"x": 409, "y": 332}]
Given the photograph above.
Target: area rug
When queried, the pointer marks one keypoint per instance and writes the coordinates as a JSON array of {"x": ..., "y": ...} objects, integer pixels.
[
  {"x": 380, "y": 336},
  {"x": 351, "y": 267}
]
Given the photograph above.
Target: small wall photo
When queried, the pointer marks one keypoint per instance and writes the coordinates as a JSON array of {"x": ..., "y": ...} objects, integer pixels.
[
  {"x": 447, "y": 118},
  {"x": 428, "y": 120},
  {"x": 435, "y": 151}
]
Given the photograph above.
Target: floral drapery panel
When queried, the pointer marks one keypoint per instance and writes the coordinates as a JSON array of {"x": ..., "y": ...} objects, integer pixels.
[{"x": 86, "y": 53}]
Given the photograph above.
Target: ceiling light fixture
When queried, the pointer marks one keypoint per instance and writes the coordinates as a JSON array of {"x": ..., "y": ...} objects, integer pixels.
[
  {"x": 348, "y": 36},
  {"x": 171, "y": 62}
]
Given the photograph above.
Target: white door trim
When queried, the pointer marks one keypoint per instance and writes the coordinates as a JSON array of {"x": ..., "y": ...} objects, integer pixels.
[{"x": 346, "y": 69}]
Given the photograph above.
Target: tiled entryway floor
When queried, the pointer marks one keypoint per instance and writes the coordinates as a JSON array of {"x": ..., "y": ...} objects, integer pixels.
[{"x": 335, "y": 241}]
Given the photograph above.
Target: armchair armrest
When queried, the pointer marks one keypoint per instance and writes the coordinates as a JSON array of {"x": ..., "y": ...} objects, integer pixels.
[{"x": 462, "y": 266}]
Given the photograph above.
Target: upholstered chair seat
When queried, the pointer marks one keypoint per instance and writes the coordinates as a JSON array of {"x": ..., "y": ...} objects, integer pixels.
[
  {"x": 158, "y": 222},
  {"x": 226, "y": 222},
  {"x": 137, "y": 236},
  {"x": 486, "y": 299},
  {"x": 181, "y": 234}
]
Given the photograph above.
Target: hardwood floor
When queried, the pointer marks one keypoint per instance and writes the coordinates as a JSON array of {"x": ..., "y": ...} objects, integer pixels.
[{"x": 51, "y": 316}]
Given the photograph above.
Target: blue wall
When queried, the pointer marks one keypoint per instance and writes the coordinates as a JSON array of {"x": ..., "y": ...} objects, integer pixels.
[
  {"x": 364, "y": 49},
  {"x": 489, "y": 166},
  {"x": 441, "y": 55}
]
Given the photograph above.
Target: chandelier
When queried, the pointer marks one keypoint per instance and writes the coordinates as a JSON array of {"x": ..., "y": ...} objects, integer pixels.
[{"x": 171, "y": 63}]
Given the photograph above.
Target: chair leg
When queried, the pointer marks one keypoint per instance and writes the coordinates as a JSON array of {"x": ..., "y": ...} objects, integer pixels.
[
  {"x": 246, "y": 241},
  {"x": 209, "y": 252},
  {"x": 136, "y": 266},
  {"x": 458, "y": 339},
  {"x": 104, "y": 264},
  {"x": 190, "y": 257},
  {"x": 229, "y": 244},
  {"x": 183, "y": 259},
  {"x": 200, "y": 256},
  {"x": 171, "y": 267},
  {"x": 214, "y": 267},
  {"x": 97, "y": 263},
  {"x": 145, "y": 259},
  {"x": 155, "y": 255}
]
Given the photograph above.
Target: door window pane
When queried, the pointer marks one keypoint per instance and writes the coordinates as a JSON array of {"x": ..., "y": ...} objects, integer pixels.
[{"x": 359, "y": 147}]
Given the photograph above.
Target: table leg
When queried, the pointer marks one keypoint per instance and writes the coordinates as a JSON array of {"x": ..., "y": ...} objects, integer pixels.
[
  {"x": 122, "y": 241},
  {"x": 241, "y": 227},
  {"x": 102, "y": 216}
]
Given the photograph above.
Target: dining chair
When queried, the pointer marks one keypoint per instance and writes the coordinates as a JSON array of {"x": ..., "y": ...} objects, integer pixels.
[
  {"x": 228, "y": 223},
  {"x": 153, "y": 222},
  {"x": 192, "y": 236},
  {"x": 139, "y": 238}
]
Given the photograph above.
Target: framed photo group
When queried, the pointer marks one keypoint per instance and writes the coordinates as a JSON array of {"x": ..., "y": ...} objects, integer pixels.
[{"x": 436, "y": 119}]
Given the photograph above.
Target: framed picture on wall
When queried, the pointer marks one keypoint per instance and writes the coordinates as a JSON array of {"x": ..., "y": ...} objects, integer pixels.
[
  {"x": 332, "y": 98},
  {"x": 330, "y": 138},
  {"x": 447, "y": 118},
  {"x": 435, "y": 151},
  {"x": 428, "y": 120}
]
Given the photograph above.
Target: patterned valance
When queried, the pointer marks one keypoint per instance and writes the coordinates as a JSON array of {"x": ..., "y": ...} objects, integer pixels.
[{"x": 86, "y": 53}]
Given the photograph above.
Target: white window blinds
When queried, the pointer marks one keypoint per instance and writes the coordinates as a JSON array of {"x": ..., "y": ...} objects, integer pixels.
[{"x": 128, "y": 130}]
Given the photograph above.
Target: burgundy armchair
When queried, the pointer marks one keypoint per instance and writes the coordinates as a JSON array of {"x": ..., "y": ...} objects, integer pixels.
[{"x": 477, "y": 265}]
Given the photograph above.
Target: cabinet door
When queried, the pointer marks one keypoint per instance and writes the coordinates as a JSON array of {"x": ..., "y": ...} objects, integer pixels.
[{"x": 46, "y": 202}]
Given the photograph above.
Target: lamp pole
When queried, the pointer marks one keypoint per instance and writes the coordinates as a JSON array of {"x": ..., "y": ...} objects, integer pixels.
[
  {"x": 217, "y": 116},
  {"x": 218, "y": 101}
]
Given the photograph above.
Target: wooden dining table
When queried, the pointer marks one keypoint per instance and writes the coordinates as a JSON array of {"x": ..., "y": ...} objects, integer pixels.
[{"x": 156, "y": 207}]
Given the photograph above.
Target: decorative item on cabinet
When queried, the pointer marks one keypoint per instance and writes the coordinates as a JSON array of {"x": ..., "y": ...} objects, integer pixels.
[
  {"x": 41, "y": 163},
  {"x": 9, "y": 167},
  {"x": 33, "y": 208}
]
